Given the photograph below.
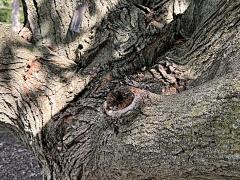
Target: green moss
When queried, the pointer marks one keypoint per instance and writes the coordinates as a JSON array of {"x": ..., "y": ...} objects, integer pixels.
[{"x": 221, "y": 130}]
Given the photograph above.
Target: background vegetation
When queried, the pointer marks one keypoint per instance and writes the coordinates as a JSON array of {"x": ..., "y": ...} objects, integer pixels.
[{"x": 6, "y": 10}]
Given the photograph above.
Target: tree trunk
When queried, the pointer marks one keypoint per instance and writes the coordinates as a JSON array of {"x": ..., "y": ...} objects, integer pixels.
[
  {"x": 112, "y": 89},
  {"x": 15, "y": 16}
]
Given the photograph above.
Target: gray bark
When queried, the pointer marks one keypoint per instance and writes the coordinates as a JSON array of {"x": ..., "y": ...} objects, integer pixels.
[
  {"x": 145, "y": 90},
  {"x": 15, "y": 16}
]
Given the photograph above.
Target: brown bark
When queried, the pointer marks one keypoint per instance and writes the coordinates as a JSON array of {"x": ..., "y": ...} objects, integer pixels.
[{"x": 145, "y": 90}]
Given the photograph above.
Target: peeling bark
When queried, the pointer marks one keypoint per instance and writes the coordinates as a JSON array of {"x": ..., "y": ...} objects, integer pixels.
[{"x": 145, "y": 90}]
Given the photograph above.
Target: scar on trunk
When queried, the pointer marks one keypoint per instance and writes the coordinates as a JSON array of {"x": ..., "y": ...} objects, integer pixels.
[{"x": 122, "y": 101}]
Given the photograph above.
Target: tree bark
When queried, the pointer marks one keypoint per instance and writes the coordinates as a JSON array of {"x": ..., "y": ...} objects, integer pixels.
[
  {"x": 145, "y": 90},
  {"x": 15, "y": 16}
]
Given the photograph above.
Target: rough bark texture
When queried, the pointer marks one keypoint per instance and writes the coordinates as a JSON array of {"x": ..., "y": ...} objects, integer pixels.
[
  {"x": 16, "y": 161},
  {"x": 145, "y": 90}
]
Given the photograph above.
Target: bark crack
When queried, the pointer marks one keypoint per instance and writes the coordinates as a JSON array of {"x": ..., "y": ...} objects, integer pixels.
[{"x": 38, "y": 15}]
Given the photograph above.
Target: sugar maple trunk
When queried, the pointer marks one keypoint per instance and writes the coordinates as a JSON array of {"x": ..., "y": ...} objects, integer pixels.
[{"x": 144, "y": 90}]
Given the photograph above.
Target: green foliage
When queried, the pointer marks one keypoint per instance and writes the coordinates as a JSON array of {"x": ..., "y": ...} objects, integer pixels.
[
  {"x": 5, "y": 15},
  {"x": 5, "y": 3},
  {"x": 6, "y": 10}
]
